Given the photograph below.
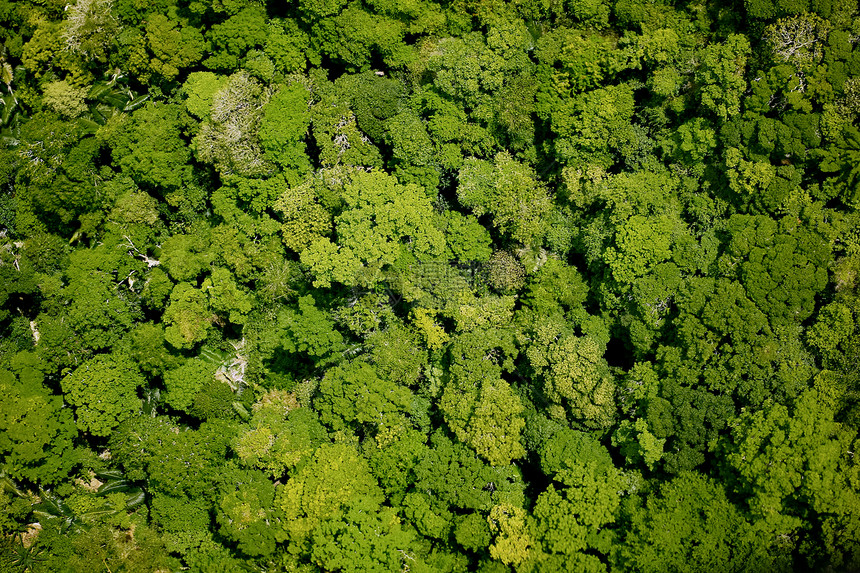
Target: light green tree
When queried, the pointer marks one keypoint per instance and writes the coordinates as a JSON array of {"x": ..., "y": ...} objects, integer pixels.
[
  {"x": 188, "y": 317},
  {"x": 103, "y": 391},
  {"x": 36, "y": 432},
  {"x": 335, "y": 478},
  {"x": 510, "y": 191},
  {"x": 174, "y": 45},
  {"x": 383, "y": 223}
]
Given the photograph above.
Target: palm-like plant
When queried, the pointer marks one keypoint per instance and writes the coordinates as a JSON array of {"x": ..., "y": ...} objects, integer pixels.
[
  {"x": 55, "y": 508},
  {"x": 109, "y": 97},
  {"x": 18, "y": 556},
  {"x": 11, "y": 114}
]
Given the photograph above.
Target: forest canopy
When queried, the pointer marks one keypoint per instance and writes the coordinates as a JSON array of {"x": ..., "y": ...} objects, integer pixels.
[{"x": 429, "y": 286}]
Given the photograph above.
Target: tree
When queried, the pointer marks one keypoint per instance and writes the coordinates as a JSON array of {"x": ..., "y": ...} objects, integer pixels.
[
  {"x": 354, "y": 34},
  {"x": 37, "y": 432},
  {"x": 514, "y": 541},
  {"x": 187, "y": 317},
  {"x": 229, "y": 140},
  {"x": 487, "y": 417},
  {"x": 366, "y": 538},
  {"x": 244, "y": 510},
  {"x": 282, "y": 435},
  {"x": 467, "y": 239},
  {"x": 184, "y": 382},
  {"x": 103, "y": 391},
  {"x": 184, "y": 522},
  {"x": 226, "y": 297},
  {"x": 354, "y": 395},
  {"x": 89, "y": 28},
  {"x": 786, "y": 462},
  {"x": 592, "y": 129},
  {"x": 65, "y": 99},
  {"x": 641, "y": 243},
  {"x": 455, "y": 479},
  {"x": 99, "y": 311},
  {"x": 174, "y": 45},
  {"x": 186, "y": 256},
  {"x": 149, "y": 147},
  {"x": 200, "y": 89},
  {"x": 781, "y": 265},
  {"x": 283, "y": 128},
  {"x": 383, "y": 224},
  {"x": 232, "y": 38},
  {"x": 337, "y": 135},
  {"x": 310, "y": 331},
  {"x": 573, "y": 514},
  {"x": 304, "y": 218},
  {"x": 375, "y": 100},
  {"x": 413, "y": 157},
  {"x": 173, "y": 460},
  {"x": 472, "y": 67},
  {"x": 57, "y": 174},
  {"x": 690, "y": 525},
  {"x": 721, "y": 75},
  {"x": 510, "y": 191},
  {"x": 335, "y": 478},
  {"x": 798, "y": 39},
  {"x": 287, "y": 45},
  {"x": 577, "y": 384}
]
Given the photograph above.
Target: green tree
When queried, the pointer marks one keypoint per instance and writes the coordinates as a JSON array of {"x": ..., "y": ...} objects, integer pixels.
[
  {"x": 488, "y": 418},
  {"x": 187, "y": 317},
  {"x": 577, "y": 384},
  {"x": 282, "y": 435},
  {"x": 149, "y": 147},
  {"x": 174, "y": 45},
  {"x": 37, "y": 432},
  {"x": 337, "y": 135},
  {"x": 366, "y": 538},
  {"x": 482, "y": 409},
  {"x": 186, "y": 256},
  {"x": 592, "y": 129},
  {"x": 283, "y": 128},
  {"x": 335, "y": 478},
  {"x": 98, "y": 310},
  {"x": 288, "y": 45},
  {"x": 65, "y": 99},
  {"x": 640, "y": 243},
  {"x": 184, "y": 382},
  {"x": 412, "y": 152},
  {"x": 574, "y": 513},
  {"x": 226, "y": 297},
  {"x": 354, "y": 394},
  {"x": 104, "y": 393},
  {"x": 55, "y": 177},
  {"x": 200, "y": 89},
  {"x": 510, "y": 191},
  {"x": 232, "y": 38},
  {"x": 244, "y": 510},
  {"x": 782, "y": 265},
  {"x": 690, "y": 525},
  {"x": 788, "y": 463},
  {"x": 721, "y": 75},
  {"x": 384, "y": 223}
]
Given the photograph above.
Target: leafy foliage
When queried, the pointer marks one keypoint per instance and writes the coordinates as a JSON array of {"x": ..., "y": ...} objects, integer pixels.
[{"x": 456, "y": 286}]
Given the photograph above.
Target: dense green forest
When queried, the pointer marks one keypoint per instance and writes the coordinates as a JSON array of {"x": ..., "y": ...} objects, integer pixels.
[{"x": 429, "y": 285}]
